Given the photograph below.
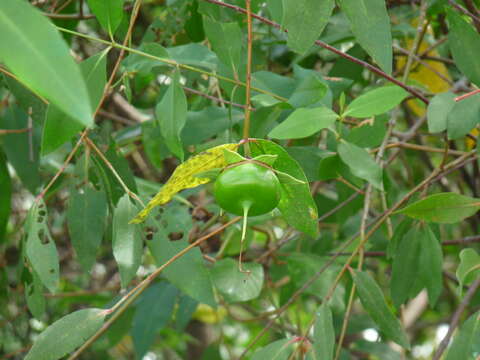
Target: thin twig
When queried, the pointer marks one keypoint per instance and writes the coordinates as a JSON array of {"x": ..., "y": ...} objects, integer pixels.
[
  {"x": 248, "y": 80},
  {"x": 170, "y": 62},
  {"x": 119, "y": 308},
  {"x": 14, "y": 131},
  {"x": 223, "y": 101},
  {"x": 464, "y": 96},
  {"x": 112, "y": 169},
  {"x": 456, "y": 318},
  {"x": 332, "y": 49},
  {"x": 416, "y": 42}
]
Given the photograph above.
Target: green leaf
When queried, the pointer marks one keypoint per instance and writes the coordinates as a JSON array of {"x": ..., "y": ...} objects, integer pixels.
[
  {"x": 66, "y": 334},
  {"x": 305, "y": 21},
  {"x": 278, "y": 350},
  {"x": 34, "y": 296},
  {"x": 438, "y": 110},
  {"x": 361, "y": 163},
  {"x": 21, "y": 149},
  {"x": 464, "y": 43},
  {"x": 374, "y": 303},
  {"x": 195, "y": 55},
  {"x": 405, "y": 267},
  {"x": 369, "y": 133},
  {"x": 94, "y": 72},
  {"x": 5, "y": 196},
  {"x": 324, "y": 334},
  {"x": 34, "y": 51},
  {"x": 86, "y": 218},
  {"x": 188, "y": 273},
  {"x": 296, "y": 204},
  {"x": 469, "y": 268},
  {"x": 27, "y": 100},
  {"x": 445, "y": 208},
  {"x": 370, "y": 24},
  {"x": 40, "y": 248},
  {"x": 309, "y": 157},
  {"x": 60, "y": 127},
  {"x": 418, "y": 256},
  {"x": 462, "y": 346},
  {"x": 304, "y": 122},
  {"x": 431, "y": 260},
  {"x": 376, "y": 102},
  {"x": 127, "y": 242},
  {"x": 275, "y": 8},
  {"x": 226, "y": 41},
  {"x": 310, "y": 90},
  {"x": 171, "y": 113},
  {"x": 234, "y": 285},
  {"x": 145, "y": 64},
  {"x": 152, "y": 313},
  {"x": 109, "y": 13},
  {"x": 463, "y": 117},
  {"x": 398, "y": 235}
]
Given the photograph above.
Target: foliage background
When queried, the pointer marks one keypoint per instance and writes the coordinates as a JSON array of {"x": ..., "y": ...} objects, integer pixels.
[{"x": 101, "y": 100}]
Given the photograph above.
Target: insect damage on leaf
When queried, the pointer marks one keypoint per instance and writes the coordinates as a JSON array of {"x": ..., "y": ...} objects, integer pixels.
[{"x": 184, "y": 177}]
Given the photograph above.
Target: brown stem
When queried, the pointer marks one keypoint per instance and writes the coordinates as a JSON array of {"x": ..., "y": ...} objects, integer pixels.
[
  {"x": 464, "y": 96},
  {"x": 246, "y": 123},
  {"x": 133, "y": 294}
]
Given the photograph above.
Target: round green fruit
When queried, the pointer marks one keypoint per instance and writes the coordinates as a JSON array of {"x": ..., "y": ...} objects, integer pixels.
[{"x": 247, "y": 188}]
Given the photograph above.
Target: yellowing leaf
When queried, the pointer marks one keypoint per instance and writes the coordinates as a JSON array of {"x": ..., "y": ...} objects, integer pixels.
[{"x": 184, "y": 177}]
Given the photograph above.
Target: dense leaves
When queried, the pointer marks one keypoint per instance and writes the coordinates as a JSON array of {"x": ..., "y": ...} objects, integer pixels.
[{"x": 366, "y": 111}]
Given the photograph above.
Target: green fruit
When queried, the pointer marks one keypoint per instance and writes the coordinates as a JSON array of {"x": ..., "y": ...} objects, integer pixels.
[{"x": 247, "y": 188}]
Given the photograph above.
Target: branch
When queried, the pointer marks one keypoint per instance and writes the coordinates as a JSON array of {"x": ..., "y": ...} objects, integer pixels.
[
  {"x": 332, "y": 49},
  {"x": 119, "y": 308},
  {"x": 456, "y": 318}
]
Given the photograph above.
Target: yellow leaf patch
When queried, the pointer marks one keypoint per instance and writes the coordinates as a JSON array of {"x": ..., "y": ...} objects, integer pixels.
[{"x": 184, "y": 177}]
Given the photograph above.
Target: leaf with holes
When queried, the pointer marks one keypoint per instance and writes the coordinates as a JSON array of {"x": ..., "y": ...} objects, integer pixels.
[
  {"x": 40, "y": 248},
  {"x": 184, "y": 177},
  {"x": 66, "y": 334},
  {"x": 167, "y": 234},
  {"x": 34, "y": 296},
  {"x": 444, "y": 208}
]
